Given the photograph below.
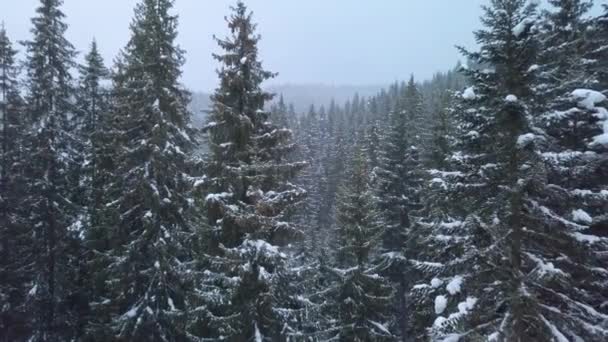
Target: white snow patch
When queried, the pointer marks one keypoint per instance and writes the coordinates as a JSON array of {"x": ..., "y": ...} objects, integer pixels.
[
  {"x": 525, "y": 139},
  {"x": 33, "y": 291},
  {"x": 522, "y": 26},
  {"x": 466, "y": 306},
  {"x": 436, "y": 282},
  {"x": 559, "y": 337},
  {"x": 588, "y": 98},
  {"x": 452, "y": 338},
  {"x": 217, "y": 197},
  {"x": 171, "y": 304},
  {"x": 586, "y": 238},
  {"x": 258, "y": 334},
  {"x": 454, "y": 286},
  {"x": 581, "y": 216},
  {"x": 469, "y": 94},
  {"x": 243, "y": 60},
  {"x": 380, "y": 327},
  {"x": 157, "y": 264},
  {"x": 511, "y": 98},
  {"x": 441, "y": 302},
  {"x": 131, "y": 313}
]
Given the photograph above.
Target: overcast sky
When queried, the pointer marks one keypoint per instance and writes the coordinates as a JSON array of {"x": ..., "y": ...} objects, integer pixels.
[{"x": 354, "y": 42}]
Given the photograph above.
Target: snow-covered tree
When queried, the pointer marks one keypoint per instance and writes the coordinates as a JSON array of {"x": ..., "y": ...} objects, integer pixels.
[
  {"x": 14, "y": 238},
  {"x": 398, "y": 184},
  {"x": 359, "y": 297},
  {"x": 516, "y": 268},
  {"x": 250, "y": 192},
  {"x": 54, "y": 301},
  {"x": 144, "y": 257},
  {"x": 92, "y": 104}
]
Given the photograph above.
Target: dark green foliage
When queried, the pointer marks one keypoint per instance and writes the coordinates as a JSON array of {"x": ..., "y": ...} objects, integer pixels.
[
  {"x": 14, "y": 239},
  {"x": 249, "y": 197},
  {"x": 150, "y": 221},
  {"x": 54, "y": 301},
  {"x": 359, "y": 297}
]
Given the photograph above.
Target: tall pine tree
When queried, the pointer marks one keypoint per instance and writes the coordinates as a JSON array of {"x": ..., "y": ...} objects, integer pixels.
[
  {"x": 250, "y": 192},
  {"x": 145, "y": 260},
  {"x": 13, "y": 235},
  {"x": 54, "y": 301}
]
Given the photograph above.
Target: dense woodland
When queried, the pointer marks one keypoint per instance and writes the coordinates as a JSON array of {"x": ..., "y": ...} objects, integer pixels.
[{"x": 469, "y": 207}]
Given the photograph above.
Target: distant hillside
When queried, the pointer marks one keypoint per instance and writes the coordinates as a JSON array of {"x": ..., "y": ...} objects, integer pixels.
[{"x": 301, "y": 95}]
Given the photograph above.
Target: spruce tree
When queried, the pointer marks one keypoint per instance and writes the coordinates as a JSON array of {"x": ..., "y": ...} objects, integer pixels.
[
  {"x": 398, "y": 185},
  {"x": 54, "y": 302},
  {"x": 14, "y": 238},
  {"x": 145, "y": 255},
  {"x": 92, "y": 103},
  {"x": 359, "y": 298},
  {"x": 250, "y": 194},
  {"x": 519, "y": 269}
]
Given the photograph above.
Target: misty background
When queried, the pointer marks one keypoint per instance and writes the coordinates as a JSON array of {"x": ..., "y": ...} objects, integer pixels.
[{"x": 321, "y": 49}]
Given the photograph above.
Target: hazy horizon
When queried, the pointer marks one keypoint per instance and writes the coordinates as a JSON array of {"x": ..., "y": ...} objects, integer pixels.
[{"x": 313, "y": 42}]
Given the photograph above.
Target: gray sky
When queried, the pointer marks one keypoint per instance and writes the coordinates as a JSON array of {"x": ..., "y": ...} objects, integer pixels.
[{"x": 355, "y": 42}]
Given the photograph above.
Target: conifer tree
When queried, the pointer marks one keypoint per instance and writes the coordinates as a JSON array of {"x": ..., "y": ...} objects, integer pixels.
[
  {"x": 92, "y": 103},
  {"x": 359, "y": 297},
  {"x": 514, "y": 264},
  {"x": 249, "y": 196},
  {"x": 398, "y": 185},
  {"x": 145, "y": 255},
  {"x": 53, "y": 301},
  {"x": 13, "y": 237}
]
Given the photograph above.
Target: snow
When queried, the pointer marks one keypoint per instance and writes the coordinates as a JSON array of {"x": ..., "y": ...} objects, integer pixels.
[
  {"x": 466, "y": 306},
  {"x": 469, "y": 94},
  {"x": 602, "y": 139},
  {"x": 441, "y": 302},
  {"x": 452, "y": 338},
  {"x": 451, "y": 225},
  {"x": 435, "y": 283},
  {"x": 544, "y": 268},
  {"x": 581, "y": 216},
  {"x": 559, "y": 337},
  {"x": 156, "y": 264},
  {"x": 258, "y": 334},
  {"x": 454, "y": 286},
  {"x": 588, "y": 98},
  {"x": 525, "y": 139},
  {"x": 243, "y": 60},
  {"x": 131, "y": 313},
  {"x": 171, "y": 304},
  {"x": 522, "y": 26},
  {"x": 380, "y": 327},
  {"x": 511, "y": 98},
  {"x": 586, "y": 238},
  {"x": 261, "y": 245},
  {"x": 217, "y": 197},
  {"x": 33, "y": 291}
]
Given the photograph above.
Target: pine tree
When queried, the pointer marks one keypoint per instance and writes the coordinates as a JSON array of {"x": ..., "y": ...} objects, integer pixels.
[
  {"x": 92, "y": 103},
  {"x": 145, "y": 256},
  {"x": 515, "y": 265},
  {"x": 250, "y": 194},
  {"x": 14, "y": 239},
  {"x": 359, "y": 297},
  {"x": 53, "y": 302},
  {"x": 398, "y": 184}
]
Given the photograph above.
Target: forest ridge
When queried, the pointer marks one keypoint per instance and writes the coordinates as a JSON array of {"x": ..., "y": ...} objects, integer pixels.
[{"x": 470, "y": 207}]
